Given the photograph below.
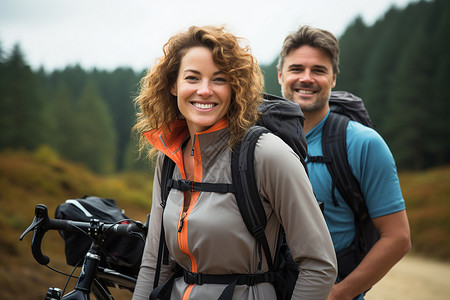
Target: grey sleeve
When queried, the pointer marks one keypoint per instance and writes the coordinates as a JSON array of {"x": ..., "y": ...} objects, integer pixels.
[
  {"x": 144, "y": 284},
  {"x": 283, "y": 181}
]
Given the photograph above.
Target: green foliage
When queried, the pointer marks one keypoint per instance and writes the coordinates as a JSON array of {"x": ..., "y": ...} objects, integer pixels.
[
  {"x": 399, "y": 66},
  {"x": 134, "y": 160},
  {"x": 21, "y": 105},
  {"x": 118, "y": 89},
  {"x": 271, "y": 78},
  {"x": 353, "y": 59},
  {"x": 95, "y": 137},
  {"x": 46, "y": 155}
]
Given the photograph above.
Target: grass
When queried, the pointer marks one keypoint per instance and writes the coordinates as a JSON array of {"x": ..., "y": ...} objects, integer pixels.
[{"x": 27, "y": 179}]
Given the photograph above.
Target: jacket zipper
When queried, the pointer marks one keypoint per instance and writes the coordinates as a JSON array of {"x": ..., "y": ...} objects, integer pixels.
[
  {"x": 193, "y": 146},
  {"x": 180, "y": 225}
]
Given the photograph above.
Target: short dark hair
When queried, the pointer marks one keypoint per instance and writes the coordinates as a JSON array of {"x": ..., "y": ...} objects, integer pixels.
[{"x": 314, "y": 37}]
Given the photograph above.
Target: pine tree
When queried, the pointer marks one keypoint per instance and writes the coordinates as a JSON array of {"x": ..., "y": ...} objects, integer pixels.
[
  {"x": 409, "y": 125},
  {"x": 64, "y": 122},
  {"x": 21, "y": 104},
  {"x": 95, "y": 137},
  {"x": 356, "y": 41}
]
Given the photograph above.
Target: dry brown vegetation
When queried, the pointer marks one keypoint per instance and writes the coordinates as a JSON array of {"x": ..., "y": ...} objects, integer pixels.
[
  {"x": 27, "y": 179},
  {"x": 427, "y": 196}
]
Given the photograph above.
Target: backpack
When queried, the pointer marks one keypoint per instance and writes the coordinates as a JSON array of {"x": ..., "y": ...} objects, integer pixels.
[
  {"x": 285, "y": 119},
  {"x": 121, "y": 253},
  {"x": 345, "y": 106}
]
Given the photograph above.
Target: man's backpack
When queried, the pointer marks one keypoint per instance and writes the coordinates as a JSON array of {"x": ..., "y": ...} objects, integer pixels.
[
  {"x": 121, "y": 253},
  {"x": 285, "y": 119},
  {"x": 345, "y": 106}
]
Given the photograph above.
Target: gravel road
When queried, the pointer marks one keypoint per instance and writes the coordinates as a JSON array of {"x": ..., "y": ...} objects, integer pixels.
[{"x": 414, "y": 278}]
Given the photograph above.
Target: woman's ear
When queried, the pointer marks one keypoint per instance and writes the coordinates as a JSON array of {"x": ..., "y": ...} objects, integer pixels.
[{"x": 173, "y": 90}]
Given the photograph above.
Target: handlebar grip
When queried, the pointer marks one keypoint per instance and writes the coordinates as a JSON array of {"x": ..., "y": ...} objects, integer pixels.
[
  {"x": 125, "y": 229},
  {"x": 60, "y": 224},
  {"x": 36, "y": 247}
]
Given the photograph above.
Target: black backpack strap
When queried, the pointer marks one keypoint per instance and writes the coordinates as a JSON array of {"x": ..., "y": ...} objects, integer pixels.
[
  {"x": 163, "y": 291},
  {"x": 247, "y": 195},
  {"x": 334, "y": 145},
  {"x": 163, "y": 253}
]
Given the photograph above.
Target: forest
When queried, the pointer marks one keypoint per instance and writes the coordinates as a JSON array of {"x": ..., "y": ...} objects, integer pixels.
[{"x": 399, "y": 66}]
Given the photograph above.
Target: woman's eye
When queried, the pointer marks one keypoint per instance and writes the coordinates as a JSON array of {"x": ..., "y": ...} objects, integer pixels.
[
  {"x": 191, "y": 78},
  {"x": 220, "y": 79}
]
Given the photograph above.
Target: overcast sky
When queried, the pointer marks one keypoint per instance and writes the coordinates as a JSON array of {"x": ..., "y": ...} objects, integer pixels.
[{"x": 130, "y": 33}]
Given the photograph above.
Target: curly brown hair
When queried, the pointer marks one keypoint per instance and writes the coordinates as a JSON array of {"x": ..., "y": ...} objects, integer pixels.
[{"x": 158, "y": 107}]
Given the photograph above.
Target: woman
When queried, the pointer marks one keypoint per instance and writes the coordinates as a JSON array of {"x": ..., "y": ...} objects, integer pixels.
[{"x": 196, "y": 103}]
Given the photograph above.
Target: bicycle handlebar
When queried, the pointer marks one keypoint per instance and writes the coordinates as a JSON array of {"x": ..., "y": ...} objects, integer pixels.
[{"x": 41, "y": 224}]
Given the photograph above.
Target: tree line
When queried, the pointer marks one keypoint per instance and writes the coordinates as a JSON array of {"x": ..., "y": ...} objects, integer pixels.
[
  {"x": 85, "y": 116},
  {"x": 400, "y": 66}
]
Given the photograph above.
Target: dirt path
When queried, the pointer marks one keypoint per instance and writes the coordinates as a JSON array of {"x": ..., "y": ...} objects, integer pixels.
[{"x": 414, "y": 278}]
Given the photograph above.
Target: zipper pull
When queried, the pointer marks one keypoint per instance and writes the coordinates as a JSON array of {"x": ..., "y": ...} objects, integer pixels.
[
  {"x": 180, "y": 226},
  {"x": 193, "y": 143}
]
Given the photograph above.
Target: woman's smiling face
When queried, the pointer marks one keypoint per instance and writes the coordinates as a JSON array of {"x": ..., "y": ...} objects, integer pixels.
[{"x": 203, "y": 91}]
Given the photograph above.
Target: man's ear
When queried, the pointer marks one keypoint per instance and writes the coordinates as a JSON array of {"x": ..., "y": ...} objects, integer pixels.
[
  {"x": 280, "y": 76},
  {"x": 333, "y": 83}
]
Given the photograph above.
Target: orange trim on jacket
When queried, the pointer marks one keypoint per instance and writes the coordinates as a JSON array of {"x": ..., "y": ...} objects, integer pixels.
[{"x": 169, "y": 140}]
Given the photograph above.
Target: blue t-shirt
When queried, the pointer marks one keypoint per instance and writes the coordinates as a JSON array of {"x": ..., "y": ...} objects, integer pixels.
[
  {"x": 374, "y": 167},
  {"x": 372, "y": 164}
]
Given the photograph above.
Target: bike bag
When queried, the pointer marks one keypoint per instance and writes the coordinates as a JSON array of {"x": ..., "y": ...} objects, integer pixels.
[{"x": 121, "y": 253}]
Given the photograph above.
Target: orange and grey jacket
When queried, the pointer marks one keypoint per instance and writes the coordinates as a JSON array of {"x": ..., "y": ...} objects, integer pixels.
[{"x": 211, "y": 237}]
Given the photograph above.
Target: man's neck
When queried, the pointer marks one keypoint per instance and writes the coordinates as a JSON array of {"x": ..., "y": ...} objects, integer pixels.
[{"x": 313, "y": 118}]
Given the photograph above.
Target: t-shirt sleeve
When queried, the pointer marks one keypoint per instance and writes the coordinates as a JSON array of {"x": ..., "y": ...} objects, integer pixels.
[{"x": 373, "y": 165}]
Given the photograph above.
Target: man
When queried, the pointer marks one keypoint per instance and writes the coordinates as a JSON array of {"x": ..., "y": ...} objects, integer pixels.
[{"x": 307, "y": 71}]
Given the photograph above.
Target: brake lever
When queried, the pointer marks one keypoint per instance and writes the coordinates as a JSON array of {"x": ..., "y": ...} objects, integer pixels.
[
  {"x": 39, "y": 217},
  {"x": 40, "y": 226}
]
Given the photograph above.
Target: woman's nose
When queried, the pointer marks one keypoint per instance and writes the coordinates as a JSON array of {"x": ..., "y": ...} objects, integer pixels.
[{"x": 204, "y": 89}]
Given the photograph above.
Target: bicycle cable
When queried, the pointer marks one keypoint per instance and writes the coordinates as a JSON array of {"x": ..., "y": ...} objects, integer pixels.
[
  {"x": 61, "y": 272},
  {"x": 69, "y": 276}
]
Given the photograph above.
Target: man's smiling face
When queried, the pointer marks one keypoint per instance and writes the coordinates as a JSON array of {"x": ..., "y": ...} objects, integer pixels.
[{"x": 307, "y": 78}]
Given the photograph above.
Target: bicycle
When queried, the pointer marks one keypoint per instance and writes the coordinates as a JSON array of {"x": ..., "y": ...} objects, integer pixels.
[{"x": 93, "y": 277}]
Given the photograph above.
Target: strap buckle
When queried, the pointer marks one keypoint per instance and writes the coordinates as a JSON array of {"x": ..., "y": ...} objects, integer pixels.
[
  {"x": 190, "y": 278},
  {"x": 251, "y": 279},
  {"x": 186, "y": 185}
]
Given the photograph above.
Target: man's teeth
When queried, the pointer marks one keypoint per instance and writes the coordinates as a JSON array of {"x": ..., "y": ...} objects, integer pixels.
[
  {"x": 305, "y": 92},
  {"x": 203, "y": 105}
]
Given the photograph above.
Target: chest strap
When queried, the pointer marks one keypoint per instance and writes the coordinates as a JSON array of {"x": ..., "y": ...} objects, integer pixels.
[
  {"x": 193, "y": 186},
  {"x": 241, "y": 279}
]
